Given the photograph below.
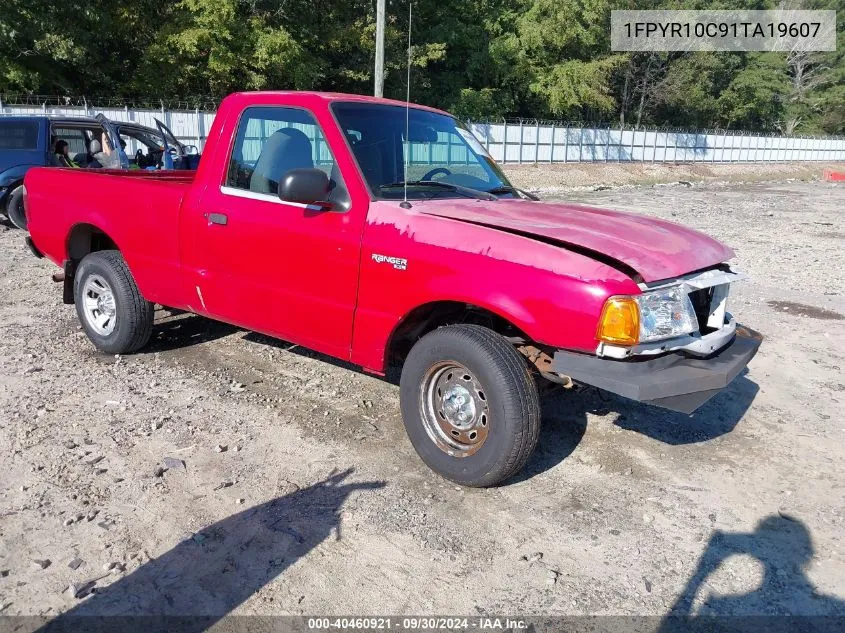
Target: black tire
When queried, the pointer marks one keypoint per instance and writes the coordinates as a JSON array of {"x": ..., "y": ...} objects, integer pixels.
[
  {"x": 14, "y": 208},
  {"x": 133, "y": 315},
  {"x": 510, "y": 397}
]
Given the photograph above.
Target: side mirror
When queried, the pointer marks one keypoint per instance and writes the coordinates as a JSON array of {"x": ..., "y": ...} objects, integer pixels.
[
  {"x": 191, "y": 149},
  {"x": 306, "y": 186}
]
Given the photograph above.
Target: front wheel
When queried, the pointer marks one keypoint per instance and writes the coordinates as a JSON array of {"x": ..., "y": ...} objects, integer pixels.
[
  {"x": 470, "y": 405},
  {"x": 114, "y": 315}
]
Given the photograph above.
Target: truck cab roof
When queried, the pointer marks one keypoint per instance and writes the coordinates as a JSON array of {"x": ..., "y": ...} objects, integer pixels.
[{"x": 329, "y": 97}]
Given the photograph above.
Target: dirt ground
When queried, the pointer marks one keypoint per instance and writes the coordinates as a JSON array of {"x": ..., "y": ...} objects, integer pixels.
[
  {"x": 566, "y": 177},
  {"x": 221, "y": 472}
]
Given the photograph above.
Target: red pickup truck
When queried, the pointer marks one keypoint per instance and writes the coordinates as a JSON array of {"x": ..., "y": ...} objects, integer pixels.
[{"x": 377, "y": 235}]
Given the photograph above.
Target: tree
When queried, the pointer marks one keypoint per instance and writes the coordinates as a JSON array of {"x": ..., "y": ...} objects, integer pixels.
[
  {"x": 643, "y": 85},
  {"x": 478, "y": 58},
  {"x": 74, "y": 47},
  {"x": 754, "y": 99}
]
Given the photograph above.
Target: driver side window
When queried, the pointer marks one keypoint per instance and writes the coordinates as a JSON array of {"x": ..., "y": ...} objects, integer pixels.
[{"x": 271, "y": 141}]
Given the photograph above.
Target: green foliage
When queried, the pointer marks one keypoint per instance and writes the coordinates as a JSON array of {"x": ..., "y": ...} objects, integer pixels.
[
  {"x": 479, "y": 104},
  {"x": 754, "y": 98},
  {"x": 477, "y": 58},
  {"x": 690, "y": 86},
  {"x": 575, "y": 85}
]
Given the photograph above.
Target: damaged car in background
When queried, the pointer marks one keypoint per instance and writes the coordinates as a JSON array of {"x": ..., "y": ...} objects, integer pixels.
[{"x": 28, "y": 141}]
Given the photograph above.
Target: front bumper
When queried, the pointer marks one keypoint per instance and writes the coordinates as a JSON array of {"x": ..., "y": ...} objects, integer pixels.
[{"x": 674, "y": 381}]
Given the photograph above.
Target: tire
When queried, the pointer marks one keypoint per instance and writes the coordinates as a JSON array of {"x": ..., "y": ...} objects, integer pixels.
[
  {"x": 14, "y": 208},
  {"x": 103, "y": 287},
  {"x": 504, "y": 413}
]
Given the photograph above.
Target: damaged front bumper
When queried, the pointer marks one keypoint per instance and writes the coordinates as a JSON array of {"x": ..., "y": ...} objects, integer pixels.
[{"x": 675, "y": 381}]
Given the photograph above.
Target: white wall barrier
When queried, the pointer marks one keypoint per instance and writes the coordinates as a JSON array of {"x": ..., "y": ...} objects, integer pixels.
[{"x": 531, "y": 141}]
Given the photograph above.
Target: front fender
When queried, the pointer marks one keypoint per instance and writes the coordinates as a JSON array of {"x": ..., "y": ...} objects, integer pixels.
[{"x": 409, "y": 259}]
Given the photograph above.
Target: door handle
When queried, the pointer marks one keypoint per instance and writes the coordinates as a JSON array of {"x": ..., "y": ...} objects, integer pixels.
[{"x": 217, "y": 218}]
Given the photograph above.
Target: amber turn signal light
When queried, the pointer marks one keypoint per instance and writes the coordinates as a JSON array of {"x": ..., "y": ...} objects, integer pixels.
[{"x": 620, "y": 322}]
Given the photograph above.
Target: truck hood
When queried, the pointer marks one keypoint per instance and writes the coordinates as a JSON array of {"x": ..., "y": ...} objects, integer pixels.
[{"x": 655, "y": 249}]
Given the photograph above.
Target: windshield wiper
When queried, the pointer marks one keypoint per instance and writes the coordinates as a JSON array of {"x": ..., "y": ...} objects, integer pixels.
[
  {"x": 509, "y": 189},
  {"x": 464, "y": 191}
]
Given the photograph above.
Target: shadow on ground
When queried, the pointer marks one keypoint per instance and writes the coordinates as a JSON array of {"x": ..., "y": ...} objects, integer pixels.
[
  {"x": 565, "y": 420},
  {"x": 783, "y": 545},
  {"x": 174, "y": 329},
  {"x": 564, "y": 412},
  {"x": 210, "y": 574},
  {"x": 255, "y": 337},
  {"x": 718, "y": 416}
]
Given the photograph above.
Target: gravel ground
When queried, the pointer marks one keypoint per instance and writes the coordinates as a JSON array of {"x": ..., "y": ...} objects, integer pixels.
[
  {"x": 222, "y": 472},
  {"x": 565, "y": 177}
]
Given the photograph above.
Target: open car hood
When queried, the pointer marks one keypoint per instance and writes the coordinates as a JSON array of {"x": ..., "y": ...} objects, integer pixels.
[{"x": 655, "y": 249}]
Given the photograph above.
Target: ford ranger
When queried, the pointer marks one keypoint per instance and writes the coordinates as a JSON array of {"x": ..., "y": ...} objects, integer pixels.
[{"x": 383, "y": 235}]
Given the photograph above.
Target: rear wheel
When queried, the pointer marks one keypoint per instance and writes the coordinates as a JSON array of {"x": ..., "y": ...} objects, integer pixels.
[
  {"x": 114, "y": 315},
  {"x": 14, "y": 208},
  {"x": 470, "y": 405}
]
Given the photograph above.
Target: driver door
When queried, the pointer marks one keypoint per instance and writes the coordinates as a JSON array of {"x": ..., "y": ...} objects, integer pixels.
[{"x": 285, "y": 269}]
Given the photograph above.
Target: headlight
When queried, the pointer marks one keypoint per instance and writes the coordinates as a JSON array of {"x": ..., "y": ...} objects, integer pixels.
[
  {"x": 651, "y": 316},
  {"x": 665, "y": 314}
]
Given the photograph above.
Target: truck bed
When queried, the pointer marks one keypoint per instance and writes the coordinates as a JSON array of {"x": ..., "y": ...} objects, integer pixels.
[{"x": 128, "y": 206}]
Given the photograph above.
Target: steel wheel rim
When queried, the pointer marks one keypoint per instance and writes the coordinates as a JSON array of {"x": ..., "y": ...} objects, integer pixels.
[
  {"x": 454, "y": 409},
  {"x": 98, "y": 305}
]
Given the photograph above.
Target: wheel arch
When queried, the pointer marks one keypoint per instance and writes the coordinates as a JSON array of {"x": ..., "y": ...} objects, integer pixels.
[
  {"x": 431, "y": 315},
  {"x": 83, "y": 238}
]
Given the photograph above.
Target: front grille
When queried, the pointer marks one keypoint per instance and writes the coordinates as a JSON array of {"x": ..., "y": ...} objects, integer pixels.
[{"x": 702, "y": 300}]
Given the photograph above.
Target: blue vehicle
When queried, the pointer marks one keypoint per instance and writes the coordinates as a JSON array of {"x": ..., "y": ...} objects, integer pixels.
[{"x": 31, "y": 141}]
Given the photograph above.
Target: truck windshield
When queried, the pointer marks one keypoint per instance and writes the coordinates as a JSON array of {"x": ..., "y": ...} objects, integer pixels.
[{"x": 440, "y": 152}]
